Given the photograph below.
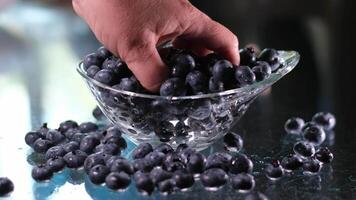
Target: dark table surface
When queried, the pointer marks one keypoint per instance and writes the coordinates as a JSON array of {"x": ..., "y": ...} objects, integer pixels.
[{"x": 41, "y": 45}]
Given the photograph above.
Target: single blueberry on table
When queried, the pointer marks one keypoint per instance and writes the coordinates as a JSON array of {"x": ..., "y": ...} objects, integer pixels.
[
  {"x": 103, "y": 53},
  {"x": 98, "y": 173},
  {"x": 56, "y": 151},
  {"x": 314, "y": 135},
  {"x": 233, "y": 142},
  {"x": 87, "y": 127},
  {"x": 244, "y": 75},
  {"x": 197, "y": 82},
  {"x": 325, "y": 120},
  {"x": 117, "y": 180},
  {"x": 196, "y": 163},
  {"x": 304, "y": 149},
  {"x": 144, "y": 183},
  {"x": 256, "y": 196},
  {"x": 92, "y": 160},
  {"x": 105, "y": 76},
  {"x": 66, "y": 125},
  {"x": 41, "y": 172},
  {"x": 88, "y": 144},
  {"x": 55, "y": 136},
  {"x": 214, "y": 178},
  {"x": 122, "y": 165},
  {"x": 218, "y": 160},
  {"x": 92, "y": 70},
  {"x": 56, "y": 164},
  {"x": 274, "y": 170},
  {"x": 166, "y": 187},
  {"x": 142, "y": 150},
  {"x": 173, "y": 87},
  {"x": 31, "y": 137},
  {"x": 243, "y": 182},
  {"x": 324, "y": 155},
  {"x": 215, "y": 86},
  {"x": 42, "y": 145},
  {"x": 158, "y": 174},
  {"x": 241, "y": 163},
  {"x": 6, "y": 186},
  {"x": 247, "y": 56},
  {"x": 291, "y": 162},
  {"x": 262, "y": 70},
  {"x": 311, "y": 166},
  {"x": 91, "y": 59},
  {"x": 183, "y": 180},
  {"x": 75, "y": 159},
  {"x": 223, "y": 71},
  {"x": 294, "y": 125}
]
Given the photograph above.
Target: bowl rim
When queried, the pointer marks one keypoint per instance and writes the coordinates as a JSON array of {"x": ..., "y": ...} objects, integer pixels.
[{"x": 288, "y": 59}]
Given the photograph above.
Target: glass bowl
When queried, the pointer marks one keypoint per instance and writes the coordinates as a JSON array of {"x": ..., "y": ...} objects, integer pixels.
[{"x": 197, "y": 120}]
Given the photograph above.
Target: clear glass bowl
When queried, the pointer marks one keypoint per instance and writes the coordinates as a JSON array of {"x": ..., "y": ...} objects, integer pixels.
[{"x": 197, "y": 120}]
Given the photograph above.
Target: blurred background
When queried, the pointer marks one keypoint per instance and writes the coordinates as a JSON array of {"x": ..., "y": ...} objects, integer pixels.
[{"x": 41, "y": 43}]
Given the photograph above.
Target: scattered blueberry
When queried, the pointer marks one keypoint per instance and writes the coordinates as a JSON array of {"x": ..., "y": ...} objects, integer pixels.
[
  {"x": 294, "y": 125},
  {"x": 314, "y": 135},
  {"x": 118, "y": 67},
  {"x": 55, "y": 136},
  {"x": 311, "y": 166},
  {"x": 98, "y": 173},
  {"x": 155, "y": 158},
  {"x": 77, "y": 137},
  {"x": 142, "y": 150},
  {"x": 233, "y": 142},
  {"x": 213, "y": 178},
  {"x": 324, "y": 155},
  {"x": 244, "y": 75},
  {"x": 307, "y": 125},
  {"x": 181, "y": 147},
  {"x": 31, "y": 137},
  {"x": 304, "y": 149},
  {"x": 122, "y": 165},
  {"x": 274, "y": 170},
  {"x": 119, "y": 141},
  {"x": 113, "y": 132},
  {"x": 166, "y": 186},
  {"x": 6, "y": 186},
  {"x": 243, "y": 182},
  {"x": 143, "y": 183},
  {"x": 41, "y": 172},
  {"x": 325, "y": 120},
  {"x": 183, "y": 180},
  {"x": 158, "y": 174},
  {"x": 42, "y": 145},
  {"x": 112, "y": 149},
  {"x": 56, "y": 151},
  {"x": 173, "y": 87},
  {"x": 87, "y": 127},
  {"x": 71, "y": 132},
  {"x": 241, "y": 164},
  {"x": 262, "y": 70},
  {"x": 66, "y": 125},
  {"x": 75, "y": 159},
  {"x": 218, "y": 160},
  {"x": 223, "y": 71},
  {"x": 56, "y": 164},
  {"x": 291, "y": 162},
  {"x": 118, "y": 180},
  {"x": 92, "y": 160},
  {"x": 88, "y": 144}
]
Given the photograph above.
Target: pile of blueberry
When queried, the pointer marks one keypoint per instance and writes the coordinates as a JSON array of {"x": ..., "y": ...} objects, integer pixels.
[
  {"x": 6, "y": 186},
  {"x": 189, "y": 74}
]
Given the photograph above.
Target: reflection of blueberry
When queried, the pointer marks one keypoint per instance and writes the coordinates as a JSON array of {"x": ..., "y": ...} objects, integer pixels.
[
  {"x": 173, "y": 87},
  {"x": 183, "y": 180},
  {"x": 98, "y": 173},
  {"x": 55, "y": 136},
  {"x": 75, "y": 159},
  {"x": 56, "y": 164},
  {"x": 66, "y": 125},
  {"x": 143, "y": 183},
  {"x": 92, "y": 70},
  {"x": 103, "y": 53},
  {"x": 325, "y": 120},
  {"x": 244, "y": 75},
  {"x": 304, "y": 149},
  {"x": 311, "y": 166},
  {"x": 262, "y": 70},
  {"x": 56, "y": 151},
  {"x": 233, "y": 142},
  {"x": 256, "y": 196},
  {"x": 243, "y": 182},
  {"x": 324, "y": 155},
  {"x": 197, "y": 82},
  {"x": 87, "y": 127},
  {"x": 41, "y": 173},
  {"x": 122, "y": 165},
  {"x": 247, "y": 56},
  {"x": 223, "y": 71},
  {"x": 166, "y": 186},
  {"x": 294, "y": 125},
  {"x": 218, "y": 160},
  {"x": 196, "y": 163},
  {"x": 117, "y": 180},
  {"x": 215, "y": 86},
  {"x": 241, "y": 163},
  {"x": 314, "y": 135},
  {"x": 274, "y": 170},
  {"x": 42, "y": 145},
  {"x": 105, "y": 76},
  {"x": 31, "y": 137},
  {"x": 213, "y": 178},
  {"x": 6, "y": 186},
  {"x": 91, "y": 59},
  {"x": 291, "y": 162},
  {"x": 142, "y": 150},
  {"x": 158, "y": 174},
  {"x": 92, "y": 160},
  {"x": 88, "y": 144}
]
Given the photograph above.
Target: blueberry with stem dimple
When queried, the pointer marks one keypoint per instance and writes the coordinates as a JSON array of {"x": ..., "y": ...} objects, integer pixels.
[
  {"x": 98, "y": 173},
  {"x": 105, "y": 76},
  {"x": 109, "y": 161},
  {"x": 119, "y": 141},
  {"x": 223, "y": 71},
  {"x": 41, "y": 173},
  {"x": 143, "y": 183},
  {"x": 244, "y": 75},
  {"x": 42, "y": 145},
  {"x": 291, "y": 162},
  {"x": 56, "y": 151},
  {"x": 31, "y": 137},
  {"x": 56, "y": 164},
  {"x": 233, "y": 142},
  {"x": 324, "y": 155},
  {"x": 241, "y": 163},
  {"x": 311, "y": 166},
  {"x": 173, "y": 87},
  {"x": 117, "y": 180},
  {"x": 213, "y": 179},
  {"x": 294, "y": 125},
  {"x": 325, "y": 120},
  {"x": 262, "y": 70},
  {"x": 6, "y": 186},
  {"x": 87, "y": 127},
  {"x": 88, "y": 144},
  {"x": 75, "y": 159},
  {"x": 92, "y": 160},
  {"x": 142, "y": 150},
  {"x": 314, "y": 135},
  {"x": 304, "y": 149},
  {"x": 243, "y": 182},
  {"x": 274, "y": 170}
]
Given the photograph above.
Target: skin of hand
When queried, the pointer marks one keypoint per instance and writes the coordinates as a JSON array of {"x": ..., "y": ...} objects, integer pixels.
[{"x": 132, "y": 29}]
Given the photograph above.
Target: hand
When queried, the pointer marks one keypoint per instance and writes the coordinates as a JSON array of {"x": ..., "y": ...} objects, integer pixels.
[{"x": 133, "y": 29}]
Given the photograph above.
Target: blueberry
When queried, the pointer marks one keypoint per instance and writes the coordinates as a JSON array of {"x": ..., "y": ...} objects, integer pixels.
[
  {"x": 88, "y": 144},
  {"x": 223, "y": 71},
  {"x": 256, "y": 196},
  {"x": 173, "y": 166},
  {"x": 158, "y": 174},
  {"x": 56, "y": 151},
  {"x": 111, "y": 149},
  {"x": 42, "y": 145},
  {"x": 291, "y": 162},
  {"x": 143, "y": 183},
  {"x": 119, "y": 141},
  {"x": 307, "y": 125},
  {"x": 103, "y": 53},
  {"x": 324, "y": 155},
  {"x": 155, "y": 158},
  {"x": 105, "y": 76},
  {"x": 218, "y": 160},
  {"x": 184, "y": 63},
  {"x": 243, "y": 182},
  {"x": 98, "y": 114},
  {"x": 294, "y": 125},
  {"x": 181, "y": 147},
  {"x": 6, "y": 186},
  {"x": 92, "y": 70},
  {"x": 142, "y": 150},
  {"x": 325, "y": 120},
  {"x": 92, "y": 160},
  {"x": 213, "y": 178},
  {"x": 70, "y": 133},
  {"x": 181, "y": 71},
  {"x": 111, "y": 160},
  {"x": 311, "y": 166},
  {"x": 129, "y": 84},
  {"x": 314, "y": 135},
  {"x": 91, "y": 59},
  {"x": 173, "y": 87},
  {"x": 268, "y": 55},
  {"x": 164, "y": 148},
  {"x": 87, "y": 127},
  {"x": 274, "y": 170},
  {"x": 113, "y": 132},
  {"x": 98, "y": 173},
  {"x": 244, "y": 75},
  {"x": 41, "y": 173},
  {"x": 99, "y": 134},
  {"x": 31, "y": 137},
  {"x": 196, "y": 163},
  {"x": 304, "y": 149},
  {"x": 75, "y": 159},
  {"x": 55, "y": 136},
  {"x": 43, "y": 130},
  {"x": 142, "y": 164},
  {"x": 66, "y": 125},
  {"x": 173, "y": 157},
  {"x": 241, "y": 163},
  {"x": 233, "y": 142},
  {"x": 118, "y": 180},
  {"x": 183, "y": 180},
  {"x": 247, "y": 56},
  {"x": 166, "y": 186},
  {"x": 262, "y": 70},
  {"x": 77, "y": 137},
  {"x": 122, "y": 165},
  {"x": 119, "y": 68},
  {"x": 197, "y": 82},
  {"x": 185, "y": 154},
  {"x": 56, "y": 164},
  {"x": 215, "y": 86}
]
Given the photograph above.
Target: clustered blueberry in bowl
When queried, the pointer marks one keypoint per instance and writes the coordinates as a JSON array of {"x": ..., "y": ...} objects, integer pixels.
[{"x": 199, "y": 102}]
